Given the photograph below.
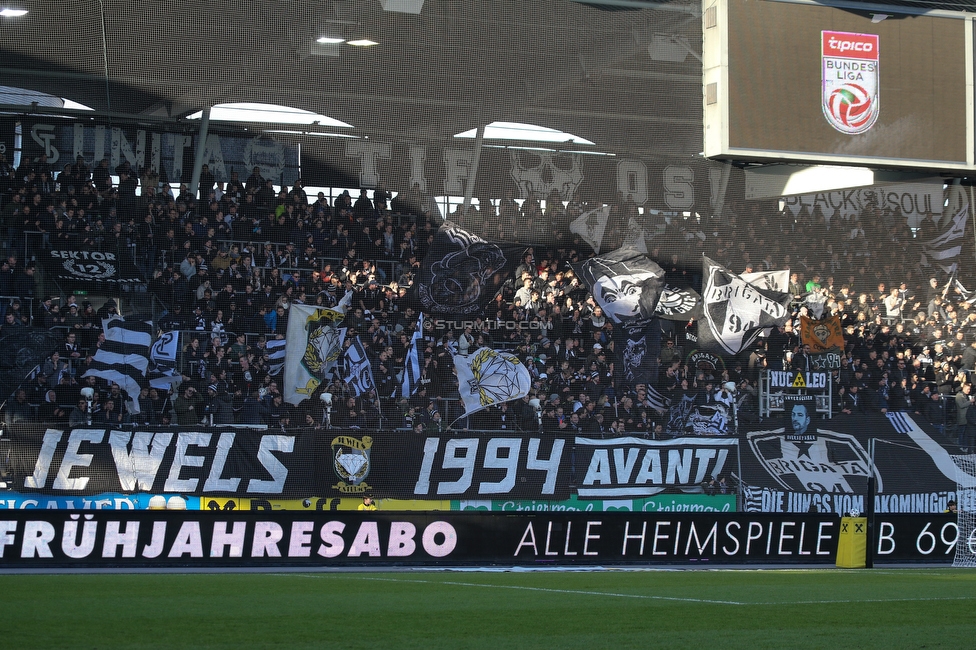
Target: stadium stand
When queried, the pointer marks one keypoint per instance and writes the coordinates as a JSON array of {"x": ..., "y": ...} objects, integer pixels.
[{"x": 225, "y": 272}]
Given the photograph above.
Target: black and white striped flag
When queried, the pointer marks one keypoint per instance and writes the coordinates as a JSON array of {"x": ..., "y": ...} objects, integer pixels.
[
  {"x": 944, "y": 249},
  {"x": 124, "y": 357},
  {"x": 752, "y": 498},
  {"x": 276, "y": 356},
  {"x": 961, "y": 292},
  {"x": 414, "y": 362},
  {"x": 659, "y": 402}
]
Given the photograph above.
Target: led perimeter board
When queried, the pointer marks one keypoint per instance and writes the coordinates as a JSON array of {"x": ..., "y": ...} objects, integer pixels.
[{"x": 797, "y": 81}]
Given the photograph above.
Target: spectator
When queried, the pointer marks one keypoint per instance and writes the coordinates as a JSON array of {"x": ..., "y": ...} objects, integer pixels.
[
  {"x": 78, "y": 417},
  {"x": 188, "y": 407},
  {"x": 219, "y": 406},
  {"x": 18, "y": 411}
]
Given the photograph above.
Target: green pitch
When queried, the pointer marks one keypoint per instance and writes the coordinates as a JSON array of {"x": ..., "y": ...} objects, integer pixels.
[{"x": 931, "y": 608}]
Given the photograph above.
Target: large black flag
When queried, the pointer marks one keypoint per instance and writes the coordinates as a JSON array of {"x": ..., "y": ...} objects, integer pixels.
[
  {"x": 625, "y": 283},
  {"x": 462, "y": 272},
  {"x": 79, "y": 268},
  {"x": 736, "y": 311},
  {"x": 637, "y": 346},
  {"x": 678, "y": 303}
]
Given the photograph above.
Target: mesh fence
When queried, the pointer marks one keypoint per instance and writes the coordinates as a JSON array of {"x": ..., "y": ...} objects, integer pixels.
[
  {"x": 451, "y": 239},
  {"x": 965, "y": 546}
]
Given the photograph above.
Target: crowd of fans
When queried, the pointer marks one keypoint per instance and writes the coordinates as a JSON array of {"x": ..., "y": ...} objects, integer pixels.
[{"x": 228, "y": 267}]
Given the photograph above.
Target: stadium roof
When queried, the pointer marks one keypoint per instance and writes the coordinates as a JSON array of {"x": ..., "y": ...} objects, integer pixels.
[{"x": 622, "y": 74}]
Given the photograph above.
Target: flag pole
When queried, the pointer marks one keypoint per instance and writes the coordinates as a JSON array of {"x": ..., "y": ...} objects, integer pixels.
[{"x": 473, "y": 171}]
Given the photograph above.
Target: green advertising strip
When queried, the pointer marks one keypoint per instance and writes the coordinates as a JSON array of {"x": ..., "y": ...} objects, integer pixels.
[{"x": 657, "y": 503}]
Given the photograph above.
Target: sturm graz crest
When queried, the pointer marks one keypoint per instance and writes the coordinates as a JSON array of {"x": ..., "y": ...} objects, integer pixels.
[
  {"x": 351, "y": 462},
  {"x": 495, "y": 378},
  {"x": 363, "y": 379}
]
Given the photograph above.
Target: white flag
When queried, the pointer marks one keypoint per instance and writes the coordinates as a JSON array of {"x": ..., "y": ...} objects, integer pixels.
[
  {"x": 313, "y": 346},
  {"x": 591, "y": 226},
  {"x": 772, "y": 280},
  {"x": 947, "y": 246},
  {"x": 735, "y": 311},
  {"x": 163, "y": 354},
  {"x": 488, "y": 377}
]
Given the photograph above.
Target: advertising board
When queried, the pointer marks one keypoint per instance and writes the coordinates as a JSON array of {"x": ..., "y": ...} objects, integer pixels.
[{"x": 46, "y": 538}]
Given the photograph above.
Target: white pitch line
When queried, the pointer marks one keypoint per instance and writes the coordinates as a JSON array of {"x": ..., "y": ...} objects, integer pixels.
[
  {"x": 863, "y": 600},
  {"x": 642, "y": 596},
  {"x": 544, "y": 589}
]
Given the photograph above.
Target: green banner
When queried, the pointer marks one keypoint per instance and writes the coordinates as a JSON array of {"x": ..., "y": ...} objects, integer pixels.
[{"x": 657, "y": 503}]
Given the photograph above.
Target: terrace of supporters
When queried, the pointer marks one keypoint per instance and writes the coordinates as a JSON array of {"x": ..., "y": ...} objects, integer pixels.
[{"x": 225, "y": 270}]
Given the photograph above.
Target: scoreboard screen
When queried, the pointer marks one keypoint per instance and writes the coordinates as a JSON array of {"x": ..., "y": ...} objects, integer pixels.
[{"x": 809, "y": 82}]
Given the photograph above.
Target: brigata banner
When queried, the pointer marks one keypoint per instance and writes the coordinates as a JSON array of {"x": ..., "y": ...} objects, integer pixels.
[
  {"x": 801, "y": 463},
  {"x": 58, "y": 539}
]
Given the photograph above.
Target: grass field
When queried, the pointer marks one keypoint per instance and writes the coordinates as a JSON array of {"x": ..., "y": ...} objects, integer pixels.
[{"x": 905, "y": 608}]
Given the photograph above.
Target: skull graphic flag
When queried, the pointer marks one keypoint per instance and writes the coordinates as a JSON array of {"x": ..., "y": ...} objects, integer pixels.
[
  {"x": 637, "y": 347},
  {"x": 625, "y": 283},
  {"x": 821, "y": 335},
  {"x": 736, "y": 311},
  {"x": 488, "y": 378},
  {"x": 678, "y": 303},
  {"x": 462, "y": 272}
]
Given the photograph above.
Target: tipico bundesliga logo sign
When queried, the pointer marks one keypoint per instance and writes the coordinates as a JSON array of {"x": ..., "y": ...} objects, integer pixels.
[{"x": 850, "y": 80}]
